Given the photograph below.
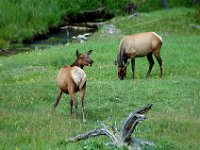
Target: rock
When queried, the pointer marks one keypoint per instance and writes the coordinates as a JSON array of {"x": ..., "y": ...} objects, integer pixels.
[{"x": 109, "y": 28}]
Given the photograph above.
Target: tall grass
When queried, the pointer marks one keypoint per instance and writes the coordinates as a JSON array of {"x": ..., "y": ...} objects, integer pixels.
[
  {"x": 27, "y": 18},
  {"x": 28, "y": 89},
  {"x": 152, "y": 5},
  {"x": 23, "y": 19}
]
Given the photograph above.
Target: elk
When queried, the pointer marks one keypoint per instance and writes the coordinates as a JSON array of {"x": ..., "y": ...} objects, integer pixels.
[
  {"x": 138, "y": 45},
  {"x": 72, "y": 79}
]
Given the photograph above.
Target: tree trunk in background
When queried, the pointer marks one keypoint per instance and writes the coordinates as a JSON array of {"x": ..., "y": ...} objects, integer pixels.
[{"x": 165, "y": 4}]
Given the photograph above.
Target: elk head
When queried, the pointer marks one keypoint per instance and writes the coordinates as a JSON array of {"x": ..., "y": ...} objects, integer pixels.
[
  {"x": 121, "y": 69},
  {"x": 83, "y": 59}
]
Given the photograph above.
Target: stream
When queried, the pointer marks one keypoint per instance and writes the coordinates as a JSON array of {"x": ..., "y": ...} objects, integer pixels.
[{"x": 63, "y": 36}]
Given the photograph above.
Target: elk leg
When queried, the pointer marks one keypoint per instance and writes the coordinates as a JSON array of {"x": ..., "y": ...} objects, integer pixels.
[
  {"x": 57, "y": 100},
  {"x": 151, "y": 64},
  {"x": 71, "y": 106},
  {"x": 82, "y": 95},
  {"x": 157, "y": 55},
  {"x": 73, "y": 101},
  {"x": 133, "y": 67}
]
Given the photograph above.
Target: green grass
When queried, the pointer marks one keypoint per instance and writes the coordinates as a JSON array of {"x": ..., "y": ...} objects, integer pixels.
[
  {"x": 28, "y": 89},
  {"x": 160, "y": 23}
]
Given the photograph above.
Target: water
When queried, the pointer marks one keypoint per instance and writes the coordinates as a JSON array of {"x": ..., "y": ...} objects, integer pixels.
[{"x": 61, "y": 37}]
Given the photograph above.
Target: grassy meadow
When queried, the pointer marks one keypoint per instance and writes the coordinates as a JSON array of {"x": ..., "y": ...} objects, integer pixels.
[{"x": 28, "y": 89}]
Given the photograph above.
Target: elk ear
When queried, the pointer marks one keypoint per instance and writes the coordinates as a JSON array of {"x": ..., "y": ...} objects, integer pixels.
[
  {"x": 77, "y": 53},
  {"x": 89, "y": 52},
  {"x": 127, "y": 64}
]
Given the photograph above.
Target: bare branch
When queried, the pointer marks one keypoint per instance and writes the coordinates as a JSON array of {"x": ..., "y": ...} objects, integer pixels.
[
  {"x": 93, "y": 133},
  {"x": 127, "y": 134},
  {"x": 131, "y": 122}
]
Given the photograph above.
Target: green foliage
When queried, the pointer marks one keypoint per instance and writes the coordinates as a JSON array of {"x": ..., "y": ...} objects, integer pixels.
[
  {"x": 117, "y": 7},
  {"x": 152, "y": 5},
  {"x": 93, "y": 145},
  {"x": 197, "y": 16},
  {"x": 3, "y": 43},
  {"x": 28, "y": 89},
  {"x": 27, "y": 18},
  {"x": 111, "y": 6}
]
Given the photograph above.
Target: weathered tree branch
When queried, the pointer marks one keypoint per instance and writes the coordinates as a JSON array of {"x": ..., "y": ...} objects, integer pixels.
[
  {"x": 124, "y": 137},
  {"x": 93, "y": 133},
  {"x": 131, "y": 122}
]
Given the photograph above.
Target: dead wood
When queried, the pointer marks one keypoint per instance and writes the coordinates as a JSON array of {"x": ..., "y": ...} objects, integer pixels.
[
  {"x": 131, "y": 122},
  {"x": 124, "y": 137}
]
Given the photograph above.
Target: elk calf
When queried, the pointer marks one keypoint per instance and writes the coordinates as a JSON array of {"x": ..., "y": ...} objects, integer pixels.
[{"x": 72, "y": 79}]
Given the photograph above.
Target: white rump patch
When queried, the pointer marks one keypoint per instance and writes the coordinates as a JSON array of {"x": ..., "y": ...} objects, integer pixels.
[
  {"x": 78, "y": 76},
  {"x": 157, "y": 36}
]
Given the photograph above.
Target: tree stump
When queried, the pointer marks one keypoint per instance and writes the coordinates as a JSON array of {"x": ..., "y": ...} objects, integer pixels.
[{"x": 124, "y": 136}]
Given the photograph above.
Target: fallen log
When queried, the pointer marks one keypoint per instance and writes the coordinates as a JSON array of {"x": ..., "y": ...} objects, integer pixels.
[{"x": 124, "y": 137}]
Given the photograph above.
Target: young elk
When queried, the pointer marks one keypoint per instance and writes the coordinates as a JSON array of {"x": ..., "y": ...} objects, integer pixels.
[
  {"x": 138, "y": 45},
  {"x": 72, "y": 79}
]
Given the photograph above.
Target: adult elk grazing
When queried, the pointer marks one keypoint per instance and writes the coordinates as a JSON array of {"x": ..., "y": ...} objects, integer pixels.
[
  {"x": 72, "y": 79},
  {"x": 138, "y": 45}
]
